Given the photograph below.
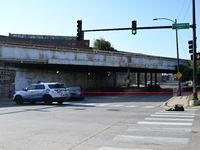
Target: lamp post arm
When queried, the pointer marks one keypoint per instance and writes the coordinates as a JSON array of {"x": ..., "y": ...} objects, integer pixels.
[{"x": 165, "y": 19}]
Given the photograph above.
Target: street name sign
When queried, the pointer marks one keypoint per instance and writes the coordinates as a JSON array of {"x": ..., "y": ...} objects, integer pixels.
[{"x": 181, "y": 26}]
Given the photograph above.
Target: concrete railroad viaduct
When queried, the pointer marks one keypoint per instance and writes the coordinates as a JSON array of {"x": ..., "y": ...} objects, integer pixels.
[{"x": 24, "y": 64}]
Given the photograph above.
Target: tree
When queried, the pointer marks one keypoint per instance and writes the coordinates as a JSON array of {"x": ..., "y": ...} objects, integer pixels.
[
  {"x": 187, "y": 71},
  {"x": 102, "y": 44}
]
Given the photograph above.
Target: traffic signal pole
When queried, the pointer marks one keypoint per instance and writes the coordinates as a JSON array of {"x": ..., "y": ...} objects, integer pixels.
[
  {"x": 134, "y": 31},
  {"x": 194, "y": 53}
]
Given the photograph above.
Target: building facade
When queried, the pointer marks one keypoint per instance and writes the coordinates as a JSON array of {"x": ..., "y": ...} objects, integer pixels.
[{"x": 49, "y": 40}]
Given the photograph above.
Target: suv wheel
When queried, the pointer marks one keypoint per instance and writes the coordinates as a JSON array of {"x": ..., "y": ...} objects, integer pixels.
[
  {"x": 60, "y": 102},
  {"x": 19, "y": 100},
  {"x": 33, "y": 102},
  {"x": 47, "y": 100}
]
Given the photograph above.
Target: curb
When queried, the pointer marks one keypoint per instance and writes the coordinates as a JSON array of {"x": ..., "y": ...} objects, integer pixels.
[{"x": 6, "y": 99}]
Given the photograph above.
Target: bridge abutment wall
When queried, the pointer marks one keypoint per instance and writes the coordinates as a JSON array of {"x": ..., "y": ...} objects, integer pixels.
[{"x": 87, "y": 80}]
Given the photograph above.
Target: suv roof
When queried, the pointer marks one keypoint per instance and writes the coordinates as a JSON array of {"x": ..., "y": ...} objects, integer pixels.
[{"x": 49, "y": 83}]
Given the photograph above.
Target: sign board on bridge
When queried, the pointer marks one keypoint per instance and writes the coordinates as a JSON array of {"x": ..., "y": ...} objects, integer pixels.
[{"x": 181, "y": 26}]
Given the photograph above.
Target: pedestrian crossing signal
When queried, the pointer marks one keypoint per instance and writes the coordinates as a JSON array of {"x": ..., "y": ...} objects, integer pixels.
[{"x": 198, "y": 56}]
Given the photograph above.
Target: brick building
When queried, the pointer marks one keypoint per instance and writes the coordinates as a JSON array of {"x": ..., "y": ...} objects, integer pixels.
[{"x": 49, "y": 40}]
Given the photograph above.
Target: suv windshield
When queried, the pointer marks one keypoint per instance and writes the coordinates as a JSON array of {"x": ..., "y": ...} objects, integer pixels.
[{"x": 56, "y": 86}]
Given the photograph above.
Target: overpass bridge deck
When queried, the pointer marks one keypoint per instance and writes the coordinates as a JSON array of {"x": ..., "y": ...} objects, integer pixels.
[{"x": 40, "y": 56}]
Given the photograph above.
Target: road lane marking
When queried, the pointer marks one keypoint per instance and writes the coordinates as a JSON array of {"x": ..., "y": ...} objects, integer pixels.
[
  {"x": 181, "y": 130},
  {"x": 151, "y": 139},
  {"x": 109, "y": 99},
  {"x": 165, "y": 123},
  {"x": 169, "y": 119}
]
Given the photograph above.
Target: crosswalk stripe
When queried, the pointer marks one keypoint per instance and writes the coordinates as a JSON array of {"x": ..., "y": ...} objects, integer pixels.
[
  {"x": 148, "y": 107},
  {"x": 90, "y": 104},
  {"x": 103, "y": 104},
  {"x": 181, "y": 130},
  {"x": 171, "y": 113},
  {"x": 76, "y": 103},
  {"x": 150, "y": 139},
  {"x": 192, "y": 109},
  {"x": 169, "y": 119},
  {"x": 116, "y": 105},
  {"x": 178, "y": 116},
  {"x": 117, "y": 148},
  {"x": 108, "y": 104},
  {"x": 164, "y": 123},
  {"x": 132, "y": 106}
]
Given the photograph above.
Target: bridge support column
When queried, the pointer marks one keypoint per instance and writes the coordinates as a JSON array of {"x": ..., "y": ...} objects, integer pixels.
[
  {"x": 128, "y": 78},
  {"x": 145, "y": 79},
  {"x": 138, "y": 79},
  {"x": 155, "y": 78}
]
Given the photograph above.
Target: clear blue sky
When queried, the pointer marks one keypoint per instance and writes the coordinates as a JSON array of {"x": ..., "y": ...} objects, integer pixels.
[{"x": 59, "y": 17}]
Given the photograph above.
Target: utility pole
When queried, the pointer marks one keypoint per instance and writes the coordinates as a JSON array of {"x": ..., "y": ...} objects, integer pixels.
[{"x": 194, "y": 53}]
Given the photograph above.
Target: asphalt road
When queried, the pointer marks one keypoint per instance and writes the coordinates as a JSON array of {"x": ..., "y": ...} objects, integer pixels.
[{"x": 103, "y": 122}]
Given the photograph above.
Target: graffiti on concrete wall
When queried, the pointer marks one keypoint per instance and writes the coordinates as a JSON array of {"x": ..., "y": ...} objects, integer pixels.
[{"x": 7, "y": 75}]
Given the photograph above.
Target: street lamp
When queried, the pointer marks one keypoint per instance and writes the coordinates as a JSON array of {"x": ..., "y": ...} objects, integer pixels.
[{"x": 175, "y": 22}]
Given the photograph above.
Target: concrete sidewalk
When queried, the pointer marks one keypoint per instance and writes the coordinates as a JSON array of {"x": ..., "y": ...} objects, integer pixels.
[{"x": 182, "y": 100}]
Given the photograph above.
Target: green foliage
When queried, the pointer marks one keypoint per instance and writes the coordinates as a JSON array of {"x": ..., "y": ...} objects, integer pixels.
[
  {"x": 187, "y": 71},
  {"x": 198, "y": 67},
  {"x": 102, "y": 44}
]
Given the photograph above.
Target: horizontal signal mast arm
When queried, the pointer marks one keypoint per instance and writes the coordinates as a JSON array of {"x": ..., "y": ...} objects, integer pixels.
[{"x": 138, "y": 28}]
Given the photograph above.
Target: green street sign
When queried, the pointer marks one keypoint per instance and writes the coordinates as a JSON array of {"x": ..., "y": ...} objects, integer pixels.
[{"x": 181, "y": 26}]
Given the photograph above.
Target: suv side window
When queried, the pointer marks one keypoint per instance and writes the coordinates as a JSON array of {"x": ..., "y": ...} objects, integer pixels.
[
  {"x": 32, "y": 87},
  {"x": 40, "y": 87},
  {"x": 54, "y": 86}
]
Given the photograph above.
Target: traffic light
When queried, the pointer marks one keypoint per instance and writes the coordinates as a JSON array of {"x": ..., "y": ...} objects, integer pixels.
[
  {"x": 134, "y": 27},
  {"x": 190, "y": 46},
  {"x": 80, "y": 33},
  {"x": 197, "y": 56}
]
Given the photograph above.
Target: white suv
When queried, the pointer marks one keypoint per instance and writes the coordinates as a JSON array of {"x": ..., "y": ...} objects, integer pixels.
[{"x": 47, "y": 92}]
